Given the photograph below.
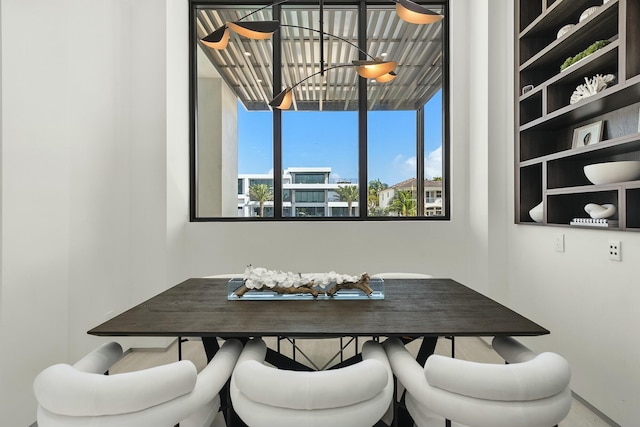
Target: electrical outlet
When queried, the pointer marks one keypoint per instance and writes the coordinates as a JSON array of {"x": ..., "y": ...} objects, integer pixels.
[
  {"x": 559, "y": 243},
  {"x": 615, "y": 250}
]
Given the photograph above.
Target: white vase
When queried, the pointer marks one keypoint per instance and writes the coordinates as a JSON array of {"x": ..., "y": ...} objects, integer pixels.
[{"x": 537, "y": 212}]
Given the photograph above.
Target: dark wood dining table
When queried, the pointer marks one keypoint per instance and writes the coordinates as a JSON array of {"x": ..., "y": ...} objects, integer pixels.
[
  {"x": 434, "y": 307},
  {"x": 411, "y": 308}
]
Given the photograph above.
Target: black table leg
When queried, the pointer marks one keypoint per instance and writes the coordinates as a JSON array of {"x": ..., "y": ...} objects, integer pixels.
[
  {"x": 348, "y": 362},
  {"x": 211, "y": 347},
  {"x": 284, "y": 362},
  {"x": 427, "y": 348}
]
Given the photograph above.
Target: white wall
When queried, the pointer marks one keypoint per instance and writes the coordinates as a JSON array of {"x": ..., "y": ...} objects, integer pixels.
[
  {"x": 586, "y": 301},
  {"x": 35, "y": 200},
  {"x": 94, "y": 175}
]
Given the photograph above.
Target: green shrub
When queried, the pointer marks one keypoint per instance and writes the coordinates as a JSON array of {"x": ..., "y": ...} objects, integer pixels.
[{"x": 588, "y": 51}]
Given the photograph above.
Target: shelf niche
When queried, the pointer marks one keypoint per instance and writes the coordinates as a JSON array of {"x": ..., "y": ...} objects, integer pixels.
[{"x": 547, "y": 166}]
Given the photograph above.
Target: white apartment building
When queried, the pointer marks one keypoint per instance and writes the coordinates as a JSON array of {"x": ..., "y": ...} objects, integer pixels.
[
  {"x": 432, "y": 195},
  {"x": 307, "y": 192}
]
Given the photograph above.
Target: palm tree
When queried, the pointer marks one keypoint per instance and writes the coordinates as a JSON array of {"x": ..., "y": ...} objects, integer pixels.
[
  {"x": 373, "y": 198},
  {"x": 404, "y": 203},
  {"x": 349, "y": 194},
  {"x": 260, "y": 193}
]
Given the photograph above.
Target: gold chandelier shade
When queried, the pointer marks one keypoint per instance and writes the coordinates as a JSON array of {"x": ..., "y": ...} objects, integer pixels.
[
  {"x": 415, "y": 14},
  {"x": 374, "y": 69},
  {"x": 386, "y": 77},
  {"x": 255, "y": 30},
  {"x": 219, "y": 39},
  {"x": 283, "y": 100}
]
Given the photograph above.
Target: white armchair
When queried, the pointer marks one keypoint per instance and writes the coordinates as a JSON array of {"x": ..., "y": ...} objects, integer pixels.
[
  {"x": 533, "y": 392},
  {"x": 80, "y": 395},
  {"x": 354, "y": 396}
]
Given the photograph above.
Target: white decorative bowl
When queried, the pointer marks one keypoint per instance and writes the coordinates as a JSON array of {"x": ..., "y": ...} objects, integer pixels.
[
  {"x": 537, "y": 212},
  {"x": 564, "y": 30},
  {"x": 610, "y": 172},
  {"x": 588, "y": 12}
]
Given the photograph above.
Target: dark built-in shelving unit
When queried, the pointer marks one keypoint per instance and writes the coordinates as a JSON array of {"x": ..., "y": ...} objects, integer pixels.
[{"x": 547, "y": 168}]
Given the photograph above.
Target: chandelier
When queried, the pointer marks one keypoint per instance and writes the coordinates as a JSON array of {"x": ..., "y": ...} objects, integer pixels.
[{"x": 372, "y": 68}]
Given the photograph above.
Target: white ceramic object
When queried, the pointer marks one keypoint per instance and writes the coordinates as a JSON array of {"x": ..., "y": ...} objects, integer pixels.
[
  {"x": 591, "y": 86},
  {"x": 564, "y": 30},
  {"x": 588, "y": 12},
  {"x": 610, "y": 172},
  {"x": 537, "y": 212},
  {"x": 600, "y": 211}
]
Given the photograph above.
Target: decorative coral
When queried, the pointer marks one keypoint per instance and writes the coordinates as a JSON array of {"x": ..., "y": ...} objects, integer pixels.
[
  {"x": 258, "y": 278},
  {"x": 591, "y": 86}
]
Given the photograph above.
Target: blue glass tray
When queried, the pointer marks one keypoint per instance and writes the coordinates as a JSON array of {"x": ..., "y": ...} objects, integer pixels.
[{"x": 268, "y": 295}]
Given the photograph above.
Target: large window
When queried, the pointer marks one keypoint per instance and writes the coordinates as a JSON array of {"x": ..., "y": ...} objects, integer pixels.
[{"x": 348, "y": 147}]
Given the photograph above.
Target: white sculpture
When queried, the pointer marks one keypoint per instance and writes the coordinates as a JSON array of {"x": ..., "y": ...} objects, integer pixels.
[
  {"x": 600, "y": 211},
  {"x": 256, "y": 278},
  {"x": 591, "y": 86}
]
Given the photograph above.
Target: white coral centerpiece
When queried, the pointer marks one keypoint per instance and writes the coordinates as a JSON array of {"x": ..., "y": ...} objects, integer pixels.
[
  {"x": 257, "y": 277},
  {"x": 591, "y": 86}
]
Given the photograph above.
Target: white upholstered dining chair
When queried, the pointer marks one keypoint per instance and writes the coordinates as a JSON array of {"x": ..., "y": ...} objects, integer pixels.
[
  {"x": 531, "y": 391},
  {"x": 163, "y": 396},
  {"x": 354, "y": 396}
]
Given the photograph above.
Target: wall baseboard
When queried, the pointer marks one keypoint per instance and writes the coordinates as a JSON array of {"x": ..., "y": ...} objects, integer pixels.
[{"x": 595, "y": 410}]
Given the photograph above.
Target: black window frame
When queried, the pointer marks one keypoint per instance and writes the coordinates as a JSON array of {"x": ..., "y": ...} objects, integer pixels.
[{"x": 278, "y": 201}]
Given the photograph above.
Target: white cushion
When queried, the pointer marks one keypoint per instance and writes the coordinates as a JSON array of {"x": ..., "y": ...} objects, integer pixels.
[
  {"x": 311, "y": 390},
  {"x": 511, "y": 350},
  {"x": 545, "y": 375},
  {"x": 530, "y": 394},
  {"x": 161, "y": 396},
  {"x": 354, "y": 396},
  {"x": 62, "y": 389},
  {"x": 101, "y": 359}
]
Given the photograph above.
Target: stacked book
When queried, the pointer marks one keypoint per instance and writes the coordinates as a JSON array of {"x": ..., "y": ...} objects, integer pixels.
[{"x": 595, "y": 222}]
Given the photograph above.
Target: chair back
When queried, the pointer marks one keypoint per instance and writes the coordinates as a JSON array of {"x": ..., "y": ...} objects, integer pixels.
[
  {"x": 533, "y": 392},
  {"x": 353, "y": 396},
  {"x": 81, "y": 395}
]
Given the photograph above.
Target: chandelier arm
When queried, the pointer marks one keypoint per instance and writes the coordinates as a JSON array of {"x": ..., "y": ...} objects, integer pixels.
[
  {"x": 330, "y": 35},
  {"x": 263, "y": 8},
  {"x": 321, "y": 71}
]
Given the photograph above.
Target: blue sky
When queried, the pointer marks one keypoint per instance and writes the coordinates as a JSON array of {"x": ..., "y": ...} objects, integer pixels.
[{"x": 329, "y": 138}]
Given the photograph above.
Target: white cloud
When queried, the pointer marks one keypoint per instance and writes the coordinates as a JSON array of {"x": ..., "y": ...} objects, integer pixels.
[
  {"x": 406, "y": 166},
  {"x": 433, "y": 164}
]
